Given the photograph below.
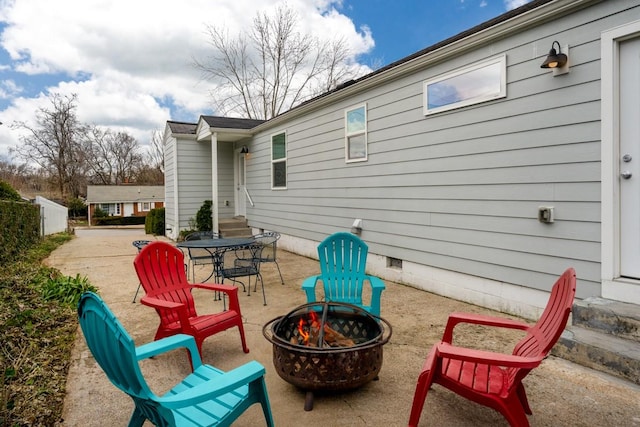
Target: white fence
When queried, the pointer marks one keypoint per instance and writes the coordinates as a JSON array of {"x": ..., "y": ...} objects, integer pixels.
[{"x": 53, "y": 217}]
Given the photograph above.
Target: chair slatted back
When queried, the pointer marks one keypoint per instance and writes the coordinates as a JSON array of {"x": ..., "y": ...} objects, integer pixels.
[
  {"x": 111, "y": 345},
  {"x": 343, "y": 258},
  {"x": 160, "y": 269},
  {"x": 542, "y": 336}
]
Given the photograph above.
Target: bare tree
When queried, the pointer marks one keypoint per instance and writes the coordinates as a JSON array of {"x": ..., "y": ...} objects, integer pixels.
[
  {"x": 113, "y": 157},
  {"x": 55, "y": 144},
  {"x": 151, "y": 171},
  {"x": 273, "y": 67},
  {"x": 155, "y": 155}
]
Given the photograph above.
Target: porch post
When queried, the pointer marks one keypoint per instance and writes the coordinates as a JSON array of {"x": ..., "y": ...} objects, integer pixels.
[{"x": 214, "y": 180}]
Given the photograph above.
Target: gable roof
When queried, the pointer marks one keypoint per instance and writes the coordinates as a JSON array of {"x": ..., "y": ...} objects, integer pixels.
[
  {"x": 182, "y": 127},
  {"x": 231, "y": 122},
  {"x": 125, "y": 193}
]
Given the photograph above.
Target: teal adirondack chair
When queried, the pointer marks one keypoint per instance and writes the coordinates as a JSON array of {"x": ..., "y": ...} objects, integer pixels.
[
  {"x": 207, "y": 397},
  {"x": 343, "y": 258}
]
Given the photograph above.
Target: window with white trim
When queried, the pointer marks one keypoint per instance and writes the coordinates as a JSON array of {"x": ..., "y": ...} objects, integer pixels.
[
  {"x": 279, "y": 161},
  {"x": 479, "y": 82},
  {"x": 355, "y": 125},
  {"x": 110, "y": 208},
  {"x": 146, "y": 206}
]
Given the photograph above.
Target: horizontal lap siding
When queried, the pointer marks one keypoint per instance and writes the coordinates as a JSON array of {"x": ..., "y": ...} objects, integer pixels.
[
  {"x": 194, "y": 179},
  {"x": 170, "y": 212},
  {"x": 460, "y": 190},
  {"x": 225, "y": 180}
]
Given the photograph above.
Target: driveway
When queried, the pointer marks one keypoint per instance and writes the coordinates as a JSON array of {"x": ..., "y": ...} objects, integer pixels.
[{"x": 560, "y": 393}]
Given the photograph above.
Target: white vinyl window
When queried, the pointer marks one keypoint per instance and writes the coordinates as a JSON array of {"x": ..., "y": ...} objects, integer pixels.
[
  {"x": 110, "y": 208},
  {"x": 479, "y": 82},
  {"x": 355, "y": 125},
  {"x": 279, "y": 161}
]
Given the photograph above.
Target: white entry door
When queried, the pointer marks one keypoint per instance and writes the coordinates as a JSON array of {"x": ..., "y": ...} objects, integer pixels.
[
  {"x": 629, "y": 158},
  {"x": 239, "y": 182}
]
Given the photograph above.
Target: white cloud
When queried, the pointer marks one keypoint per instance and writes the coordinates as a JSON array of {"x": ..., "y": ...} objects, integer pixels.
[
  {"x": 128, "y": 61},
  {"x": 512, "y": 4}
]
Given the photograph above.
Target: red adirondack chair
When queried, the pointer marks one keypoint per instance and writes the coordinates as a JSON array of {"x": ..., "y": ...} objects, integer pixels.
[
  {"x": 160, "y": 268},
  {"x": 494, "y": 379}
]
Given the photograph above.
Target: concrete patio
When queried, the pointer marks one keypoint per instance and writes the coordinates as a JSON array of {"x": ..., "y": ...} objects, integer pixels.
[{"x": 560, "y": 393}]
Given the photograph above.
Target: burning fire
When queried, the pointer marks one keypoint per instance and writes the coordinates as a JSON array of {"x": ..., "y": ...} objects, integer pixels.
[
  {"x": 309, "y": 334},
  {"x": 312, "y": 323}
]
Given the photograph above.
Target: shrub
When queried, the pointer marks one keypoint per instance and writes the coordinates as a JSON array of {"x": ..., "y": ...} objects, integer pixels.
[
  {"x": 155, "y": 223},
  {"x": 120, "y": 220},
  {"x": 99, "y": 213},
  {"x": 20, "y": 225},
  {"x": 77, "y": 208},
  {"x": 7, "y": 192},
  {"x": 204, "y": 217}
]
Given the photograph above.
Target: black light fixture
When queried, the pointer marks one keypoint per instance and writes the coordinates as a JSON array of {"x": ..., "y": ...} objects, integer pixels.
[
  {"x": 244, "y": 149},
  {"x": 555, "y": 59}
]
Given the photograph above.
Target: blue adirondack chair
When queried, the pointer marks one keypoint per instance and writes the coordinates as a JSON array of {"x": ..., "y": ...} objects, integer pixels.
[
  {"x": 207, "y": 397},
  {"x": 343, "y": 258}
]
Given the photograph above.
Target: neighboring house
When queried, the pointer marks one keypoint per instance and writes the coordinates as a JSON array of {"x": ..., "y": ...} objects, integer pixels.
[
  {"x": 124, "y": 200},
  {"x": 476, "y": 174}
]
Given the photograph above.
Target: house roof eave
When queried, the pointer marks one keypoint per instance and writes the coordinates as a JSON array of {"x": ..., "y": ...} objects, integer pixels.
[{"x": 439, "y": 52}]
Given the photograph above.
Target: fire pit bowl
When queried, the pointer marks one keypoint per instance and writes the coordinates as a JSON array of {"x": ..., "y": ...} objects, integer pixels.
[{"x": 327, "y": 346}]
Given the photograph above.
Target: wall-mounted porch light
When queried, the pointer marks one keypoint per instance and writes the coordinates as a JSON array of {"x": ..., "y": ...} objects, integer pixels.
[
  {"x": 556, "y": 60},
  {"x": 244, "y": 149}
]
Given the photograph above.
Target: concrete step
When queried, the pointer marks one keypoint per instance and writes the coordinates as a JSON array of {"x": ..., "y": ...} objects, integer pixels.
[
  {"x": 236, "y": 222},
  {"x": 600, "y": 351},
  {"x": 613, "y": 317},
  {"x": 234, "y": 227},
  {"x": 605, "y": 335},
  {"x": 236, "y": 232}
]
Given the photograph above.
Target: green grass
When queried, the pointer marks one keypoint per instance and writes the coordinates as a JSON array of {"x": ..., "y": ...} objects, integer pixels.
[{"x": 38, "y": 326}]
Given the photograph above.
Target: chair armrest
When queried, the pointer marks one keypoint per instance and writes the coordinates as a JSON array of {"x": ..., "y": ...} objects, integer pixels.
[
  {"x": 309, "y": 287},
  {"x": 213, "y": 387},
  {"x": 487, "y": 357},
  {"x": 160, "y": 303},
  {"x": 167, "y": 344},
  {"x": 228, "y": 289},
  {"x": 377, "y": 286},
  {"x": 479, "y": 319},
  {"x": 181, "y": 308},
  {"x": 376, "y": 283}
]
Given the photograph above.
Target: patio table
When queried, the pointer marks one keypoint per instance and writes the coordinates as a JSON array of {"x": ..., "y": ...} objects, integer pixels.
[{"x": 216, "y": 248}]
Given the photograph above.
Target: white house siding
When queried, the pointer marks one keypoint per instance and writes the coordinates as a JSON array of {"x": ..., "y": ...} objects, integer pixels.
[
  {"x": 225, "y": 180},
  {"x": 194, "y": 178},
  {"x": 459, "y": 191},
  {"x": 170, "y": 188}
]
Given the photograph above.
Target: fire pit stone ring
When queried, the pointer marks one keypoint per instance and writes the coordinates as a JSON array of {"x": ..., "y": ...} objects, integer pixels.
[{"x": 327, "y": 346}]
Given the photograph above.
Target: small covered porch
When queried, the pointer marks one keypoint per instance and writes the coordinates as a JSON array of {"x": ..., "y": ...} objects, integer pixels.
[{"x": 206, "y": 161}]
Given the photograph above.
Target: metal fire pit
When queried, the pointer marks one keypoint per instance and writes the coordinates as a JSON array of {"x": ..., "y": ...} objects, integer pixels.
[{"x": 328, "y": 368}]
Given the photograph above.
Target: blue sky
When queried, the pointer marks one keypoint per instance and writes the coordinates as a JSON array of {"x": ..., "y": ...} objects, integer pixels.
[{"x": 130, "y": 62}]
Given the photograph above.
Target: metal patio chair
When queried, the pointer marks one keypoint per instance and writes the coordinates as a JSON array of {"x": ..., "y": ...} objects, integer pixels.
[
  {"x": 269, "y": 239},
  {"x": 244, "y": 262},
  {"x": 199, "y": 256}
]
